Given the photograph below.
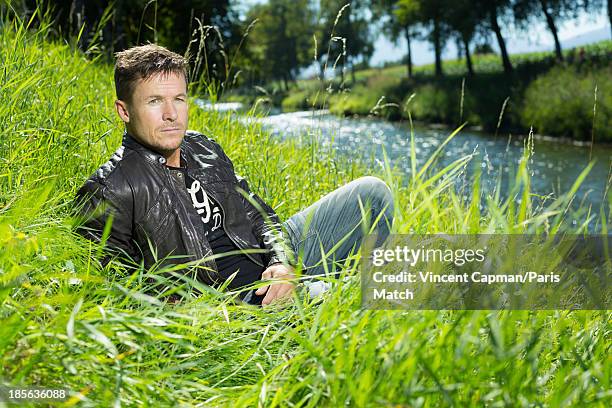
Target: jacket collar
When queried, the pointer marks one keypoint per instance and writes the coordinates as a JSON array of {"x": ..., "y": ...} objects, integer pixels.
[{"x": 130, "y": 142}]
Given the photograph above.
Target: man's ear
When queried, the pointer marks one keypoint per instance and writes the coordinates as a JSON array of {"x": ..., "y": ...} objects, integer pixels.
[{"x": 122, "y": 110}]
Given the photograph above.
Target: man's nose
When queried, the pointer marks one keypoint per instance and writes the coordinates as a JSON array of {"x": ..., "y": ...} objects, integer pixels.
[{"x": 169, "y": 112}]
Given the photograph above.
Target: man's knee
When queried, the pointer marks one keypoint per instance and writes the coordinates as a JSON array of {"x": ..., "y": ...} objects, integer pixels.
[
  {"x": 376, "y": 190},
  {"x": 380, "y": 197}
]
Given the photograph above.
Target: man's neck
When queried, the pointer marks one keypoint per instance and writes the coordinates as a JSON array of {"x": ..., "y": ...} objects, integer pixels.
[{"x": 174, "y": 159}]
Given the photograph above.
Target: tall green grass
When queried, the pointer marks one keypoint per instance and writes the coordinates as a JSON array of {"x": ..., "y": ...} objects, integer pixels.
[{"x": 68, "y": 322}]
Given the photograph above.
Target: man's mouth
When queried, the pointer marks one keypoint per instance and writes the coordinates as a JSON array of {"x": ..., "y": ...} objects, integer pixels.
[{"x": 174, "y": 129}]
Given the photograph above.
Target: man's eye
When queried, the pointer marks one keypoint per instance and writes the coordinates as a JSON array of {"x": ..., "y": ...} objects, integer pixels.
[
  {"x": 180, "y": 99},
  {"x": 154, "y": 100}
]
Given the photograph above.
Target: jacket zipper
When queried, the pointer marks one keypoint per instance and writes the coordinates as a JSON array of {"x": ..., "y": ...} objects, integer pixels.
[{"x": 232, "y": 239}]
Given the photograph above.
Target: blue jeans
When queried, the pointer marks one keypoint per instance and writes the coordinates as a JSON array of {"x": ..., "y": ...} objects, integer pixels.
[
  {"x": 323, "y": 235},
  {"x": 331, "y": 229}
]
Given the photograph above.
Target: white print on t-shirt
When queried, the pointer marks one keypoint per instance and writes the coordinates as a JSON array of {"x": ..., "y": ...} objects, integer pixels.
[{"x": 203, "y": 207}]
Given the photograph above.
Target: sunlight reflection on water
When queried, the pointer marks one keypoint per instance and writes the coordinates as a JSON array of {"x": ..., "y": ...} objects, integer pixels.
[{"x": 554, "y": 166}]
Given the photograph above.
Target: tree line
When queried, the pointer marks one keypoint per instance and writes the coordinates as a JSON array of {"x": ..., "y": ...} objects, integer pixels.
[
  {"x": 467, "y": 21},
  {"x": 275, "y": 40}
]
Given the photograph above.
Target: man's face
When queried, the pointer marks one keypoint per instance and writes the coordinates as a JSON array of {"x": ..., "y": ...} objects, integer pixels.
[{"x": 157, "y": 113}]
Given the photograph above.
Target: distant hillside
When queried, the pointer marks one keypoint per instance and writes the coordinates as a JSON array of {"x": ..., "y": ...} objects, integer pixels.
[{"x": 586, "y": 38}]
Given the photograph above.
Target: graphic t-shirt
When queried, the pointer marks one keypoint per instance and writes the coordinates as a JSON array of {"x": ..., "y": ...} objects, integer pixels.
[{"x": 211, "y": 220}]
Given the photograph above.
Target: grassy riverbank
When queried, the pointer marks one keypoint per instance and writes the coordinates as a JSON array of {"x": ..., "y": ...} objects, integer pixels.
[
  {"x": 67, "y": 322},
  {"x": 556, "y": 99}
]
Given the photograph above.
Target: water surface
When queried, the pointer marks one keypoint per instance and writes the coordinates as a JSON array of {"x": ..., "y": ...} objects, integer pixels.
[{"x": 554, "y": 165}]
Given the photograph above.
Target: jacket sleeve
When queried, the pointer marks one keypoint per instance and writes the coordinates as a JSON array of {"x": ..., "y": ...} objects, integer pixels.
[
  {"x": 101, "y": 209},
  {"x": 266, "y": 223}
]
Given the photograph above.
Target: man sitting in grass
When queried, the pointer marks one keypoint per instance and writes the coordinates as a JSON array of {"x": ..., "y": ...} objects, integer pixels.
[{"x": 171, "y": 195}]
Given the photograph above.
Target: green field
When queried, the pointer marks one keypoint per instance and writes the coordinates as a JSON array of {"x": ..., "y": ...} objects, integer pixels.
[{"x": 67, "y": 322}]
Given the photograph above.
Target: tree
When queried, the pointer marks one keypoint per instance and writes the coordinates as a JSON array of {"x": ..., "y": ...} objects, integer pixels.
[
  {"x": 178, "y": 23},
  {"x": 407, "y": 15},
  {"x": 431, "y": 13},
  {"x": 137, "y": 22},
  {"x": 345, "y": 32},
  {"x": 492, "y": 11},
  {"x": 283, "y": 37},
  {"x": 398, "y": 19},
  {"x": 464, "y": 20},
  {"x": 554, "y": 11}
]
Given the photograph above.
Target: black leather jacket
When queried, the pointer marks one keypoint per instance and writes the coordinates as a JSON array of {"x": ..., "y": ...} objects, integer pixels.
[{"x": 150, "y": 207}]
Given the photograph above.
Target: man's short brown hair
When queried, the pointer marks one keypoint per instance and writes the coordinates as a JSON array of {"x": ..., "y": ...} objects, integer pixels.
[{"x": 142, "y": 62}]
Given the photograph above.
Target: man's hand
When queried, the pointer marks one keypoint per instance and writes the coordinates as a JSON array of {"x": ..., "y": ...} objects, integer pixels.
[{"x": 276, "y": 290}]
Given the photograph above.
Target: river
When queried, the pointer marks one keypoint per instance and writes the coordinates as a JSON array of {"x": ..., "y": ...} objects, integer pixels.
[{"x": 554, "y": 166}]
